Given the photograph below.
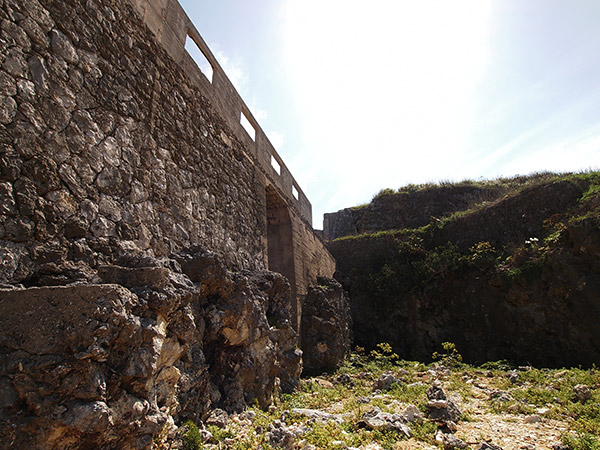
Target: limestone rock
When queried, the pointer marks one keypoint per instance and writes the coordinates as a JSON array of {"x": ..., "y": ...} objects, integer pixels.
[
  {"x": 451, "y": 442},
  {"x": 385, "y": 382},
  {"x": 325, "y": 327},
  {"x": 582, "y": 392},
  {"x": 488, "y": 446},
  {"x": 111, "y": 366},
  {"x": 218, "y": 417},
  {"x": 440, "y": 407},
  {"x": 282, "y": 436},
  {"x": 318, "y": 415},
  {"x": 378, "y": 420},
  {"x": 534, "y": 418}
]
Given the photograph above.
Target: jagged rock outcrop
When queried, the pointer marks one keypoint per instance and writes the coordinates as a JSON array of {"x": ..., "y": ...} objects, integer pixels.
[
  {"x": 115, "y": 364},
  {"x": 326, "y": 331}
]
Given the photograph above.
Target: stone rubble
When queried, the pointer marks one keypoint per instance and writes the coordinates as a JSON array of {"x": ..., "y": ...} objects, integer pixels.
[
  {"x": 378, "y": 420},
  {"x": 440, "y": 407},
  {"x": 385, "y": 382}
]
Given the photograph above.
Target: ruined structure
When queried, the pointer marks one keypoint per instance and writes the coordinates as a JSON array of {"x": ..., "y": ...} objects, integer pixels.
[
  {"x": 145, "y": 234},
  {"x": 110, "y": 130},
  {"x": 293, "y": 248}
]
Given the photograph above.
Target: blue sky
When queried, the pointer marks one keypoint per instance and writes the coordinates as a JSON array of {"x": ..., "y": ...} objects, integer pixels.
[{"x": 359, "y": 96}]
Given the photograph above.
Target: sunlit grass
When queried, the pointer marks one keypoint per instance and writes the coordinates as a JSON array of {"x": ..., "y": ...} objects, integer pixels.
[{"x": 349, "y": 393}]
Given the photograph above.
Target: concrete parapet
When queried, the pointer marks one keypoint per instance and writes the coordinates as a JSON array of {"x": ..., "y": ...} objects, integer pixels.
[{"x": 172, "y": 28}]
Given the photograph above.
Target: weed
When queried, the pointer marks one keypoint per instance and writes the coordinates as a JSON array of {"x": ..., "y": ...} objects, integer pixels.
[
  {"x": 451, "y": 357},
  {"x": 192, "y": 440},
  {"x": 581, "y": 441},
  {"x": 384, "y": 357},
  {"x": 220, "y": 434}
]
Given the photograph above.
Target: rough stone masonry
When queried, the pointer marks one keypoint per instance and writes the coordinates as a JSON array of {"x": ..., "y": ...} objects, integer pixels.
[{"x": 137, "y": 223}]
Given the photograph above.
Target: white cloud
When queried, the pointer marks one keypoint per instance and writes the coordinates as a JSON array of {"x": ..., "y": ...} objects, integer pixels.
[
  {"x": 563, "y": 155},
  {"x": 234, "y": 70},
  {"x": 385, "y": 86}
]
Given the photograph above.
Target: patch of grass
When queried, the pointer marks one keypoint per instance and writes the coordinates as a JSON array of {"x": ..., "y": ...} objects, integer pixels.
[
  {"x": 530, "y": 390},
  {"x": 527, "y": 272},
  {"x": 410, "y": 393},
  {"x": 328, "y": 436},
  {"x": 592, "y": 192},
  {"x": 220, "y": 434},
  {"x": 425, "y": 432},
  {"x": 191, "y": 436},
  {"x": 386, "y": 191},
  {"x": 581, "y": 441}
]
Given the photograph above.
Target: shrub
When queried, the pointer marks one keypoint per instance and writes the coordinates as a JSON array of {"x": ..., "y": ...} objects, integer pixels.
[
  {"x": 451, "y": 357},
  {"x": 191, "y": 436}
]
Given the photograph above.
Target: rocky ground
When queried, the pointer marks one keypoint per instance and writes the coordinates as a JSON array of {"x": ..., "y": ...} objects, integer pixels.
[{"x": 377, "y": 402}]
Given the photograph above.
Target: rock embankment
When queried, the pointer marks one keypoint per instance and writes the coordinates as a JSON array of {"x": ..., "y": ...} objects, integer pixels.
[
  {"x": 326, "y": 336},
  {"x": 514, "y": 279}
]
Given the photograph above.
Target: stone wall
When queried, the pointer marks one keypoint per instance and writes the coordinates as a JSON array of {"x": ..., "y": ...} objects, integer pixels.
[
  {"x": 108, "y": 145},
  {"x": 104, "y": 139},
  {"x": 174, "y": 30},
  {"x": 137, "y": 218}
]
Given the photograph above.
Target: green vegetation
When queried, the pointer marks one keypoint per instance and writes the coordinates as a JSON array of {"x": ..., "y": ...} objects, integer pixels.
[
  {"x": 503, "y": 184},
  {"x": 451, "y": 357},
  {"x": 349, "y": 393},
  {"x": 582, "y": 441},
  {"x": 192, "y": 440},
  {"x": 391, "y": 264}
]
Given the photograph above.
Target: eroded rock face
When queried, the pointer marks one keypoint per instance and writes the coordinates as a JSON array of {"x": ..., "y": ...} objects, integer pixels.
[
  {"x": 326, "y": 326},
  {"x": 532, "y": 302},
  {"x": 116, "y": 363}
]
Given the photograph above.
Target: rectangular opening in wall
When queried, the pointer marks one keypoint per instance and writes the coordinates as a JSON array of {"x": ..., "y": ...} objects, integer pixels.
[
  {"x": 199, "y": 58},
  {"x": 248, "y": 126},
  {"x": 295, "y": 192},
  {"x": 276, "y": 166}
]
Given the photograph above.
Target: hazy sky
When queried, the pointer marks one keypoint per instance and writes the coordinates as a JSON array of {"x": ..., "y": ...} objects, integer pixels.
[{"x": 358, "y": 96}]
